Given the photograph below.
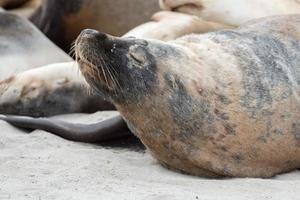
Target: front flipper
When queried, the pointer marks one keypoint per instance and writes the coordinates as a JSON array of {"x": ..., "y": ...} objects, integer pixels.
[{"x": 108, "y": 129}]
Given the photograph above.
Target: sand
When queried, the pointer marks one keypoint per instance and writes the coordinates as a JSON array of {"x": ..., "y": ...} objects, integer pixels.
[{"x": 43, "y": 166}]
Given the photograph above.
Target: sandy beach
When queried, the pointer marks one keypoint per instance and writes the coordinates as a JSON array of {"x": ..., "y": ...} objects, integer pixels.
[{"x": 42, "y": 166}]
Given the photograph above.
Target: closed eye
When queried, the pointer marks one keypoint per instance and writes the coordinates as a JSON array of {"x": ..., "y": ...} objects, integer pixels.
[{"x": 138, "y": 59}]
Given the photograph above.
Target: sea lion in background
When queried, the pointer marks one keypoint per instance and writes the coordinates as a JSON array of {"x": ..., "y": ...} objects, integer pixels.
[
  {"x": 23, "y": 46},
  {"x": 62, "y": 20},
  {"x": 12, "y": 3},
  {"x": 221, "y": 104},
  {"x": 232, "y": 12},
  {"x": 60, "y": 89},
  {"x": 168, "y": 26},
  {"x": 27, "y": 9},
  {"x": 49, "y": 90}
]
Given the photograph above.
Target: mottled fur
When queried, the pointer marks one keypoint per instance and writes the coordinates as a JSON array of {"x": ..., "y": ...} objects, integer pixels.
[{"x": 220, "y": 104}]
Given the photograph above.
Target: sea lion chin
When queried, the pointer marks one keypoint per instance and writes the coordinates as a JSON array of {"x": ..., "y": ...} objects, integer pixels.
[{"x": 219, "y": 104}]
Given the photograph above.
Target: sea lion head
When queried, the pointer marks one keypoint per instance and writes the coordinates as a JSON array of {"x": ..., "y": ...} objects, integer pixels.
[{"x": 123, "y": 69}]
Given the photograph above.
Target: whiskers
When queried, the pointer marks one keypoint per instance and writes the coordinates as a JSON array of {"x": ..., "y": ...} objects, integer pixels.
[
  {"x": 108, "y": 71},
  {"x": 72, "y": 52},
  {"x": 94, "y": 68}
]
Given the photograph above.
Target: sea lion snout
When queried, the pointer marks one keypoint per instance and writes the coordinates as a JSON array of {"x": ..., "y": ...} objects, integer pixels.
[
  {"x": 91, "y": 33},
  {"x": 106, "y": 42},
  {"x": 90, "y": 36}
]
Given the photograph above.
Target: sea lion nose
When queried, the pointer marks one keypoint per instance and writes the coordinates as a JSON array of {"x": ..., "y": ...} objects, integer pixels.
[
  {"x": 93, "y": 34},
  {"x": 95, "y": 38}
]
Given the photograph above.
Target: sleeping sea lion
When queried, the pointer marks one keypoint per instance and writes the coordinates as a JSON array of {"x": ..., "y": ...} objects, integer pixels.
[
  {"x": 232, "y": 12},
  {"x": 167, "y": 25},
  {"x": 219, "y": 104},
  {"x": 49, "y": 90}
]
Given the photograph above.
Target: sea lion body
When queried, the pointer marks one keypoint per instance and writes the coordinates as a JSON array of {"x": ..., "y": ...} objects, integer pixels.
[
  {"x": 220, "y": 104},
  {"x": 49, "y": 90},
  {"x": 23, "y": 46},
  {"x": 232, "y": 12}
]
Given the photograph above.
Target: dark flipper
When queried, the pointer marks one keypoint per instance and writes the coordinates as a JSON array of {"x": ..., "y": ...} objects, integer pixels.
[{"x": 108, "y": 129}]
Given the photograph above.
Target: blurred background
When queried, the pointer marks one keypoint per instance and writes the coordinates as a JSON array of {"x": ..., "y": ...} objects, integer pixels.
[{"x": 62, "y": 20}]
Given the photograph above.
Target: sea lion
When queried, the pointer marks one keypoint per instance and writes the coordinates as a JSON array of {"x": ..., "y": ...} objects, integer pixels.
[
  {"x": 12, "y": 3},
  {"x": 27, "y": 9},
  {"x": 62, "y": 20},
  {"x": 221, "y": 104},
  {"x": 167, "y": 25},
  {"x": 49, "y": 90},
  {"x": 23, "y": 46},
  {"x": 232, "y": 12}
]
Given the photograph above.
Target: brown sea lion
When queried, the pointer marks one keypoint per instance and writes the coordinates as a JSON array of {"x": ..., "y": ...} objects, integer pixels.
[
  {"x": 219, "y": 104},
  {"x": 12, "y": 3},
  {"x": 27, "y": 9},
  {"x": 62, "y": 20},
  {"x": 232, "y": 12}
]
